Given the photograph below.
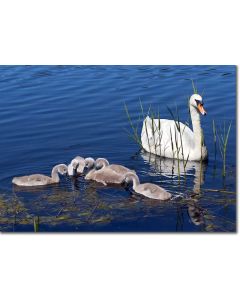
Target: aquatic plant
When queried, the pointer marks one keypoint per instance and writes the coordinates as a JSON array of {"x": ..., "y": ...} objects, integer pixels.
[
  {"x": 214, "y": 138},
  {"x": 223, "y": 136},
  {"x": 36, "y": 224},
  {"x": 134, "y": 135},
  {"x": 178, "y": 147}
]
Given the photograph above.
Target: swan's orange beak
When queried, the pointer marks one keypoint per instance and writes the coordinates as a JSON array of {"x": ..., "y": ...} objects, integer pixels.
[{"x": 201, "y": 109}]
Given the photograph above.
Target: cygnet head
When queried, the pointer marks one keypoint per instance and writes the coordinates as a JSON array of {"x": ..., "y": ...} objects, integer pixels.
[
  {"x": 196, "y": 101},
  {"x": 101, "y": 162},
  {"x": 72, "y": 167},
  {"x": 89, "y": 162},
  {"x": 131, "y": 177},
  {"x": 80, "y": 162},
  {"x": 62, "y": 169},
  {"x": 77, "y": 164}
]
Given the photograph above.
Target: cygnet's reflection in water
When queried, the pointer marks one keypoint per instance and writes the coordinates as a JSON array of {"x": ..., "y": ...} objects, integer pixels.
[{"x": 172, "y": 169}]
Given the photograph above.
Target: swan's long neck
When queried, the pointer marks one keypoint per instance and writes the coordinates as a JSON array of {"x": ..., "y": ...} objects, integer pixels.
[
  {"x": 197, "y": 130},
  {"x": 134, "y": 178},
  {"x": 103, "y": 162},
  {"x": 55, "y": 176}
]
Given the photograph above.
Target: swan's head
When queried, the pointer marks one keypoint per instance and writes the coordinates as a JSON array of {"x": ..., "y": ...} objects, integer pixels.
[
  {"x": 76, "y": 165},
  {"x": 89, "y": 162},
  {"x": 79, "y": 164},
  {"x": 101, "y": 162},
  {"x": 197, "y": 102},
  {"x": 129, "y": 177},
  {"x": 72, "y": 167},
  {"x": 62, "y": 169}
]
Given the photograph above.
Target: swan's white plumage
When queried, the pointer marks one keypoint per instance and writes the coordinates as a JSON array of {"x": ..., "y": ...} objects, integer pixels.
[{"x": 170, "y": 138}]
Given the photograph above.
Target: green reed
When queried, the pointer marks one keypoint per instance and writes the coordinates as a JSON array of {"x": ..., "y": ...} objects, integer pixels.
[
  {"x": 145, "y": 122},
  {"x": 36, "y": 224},
  {"x": 179, "y": 146},
  {"x": 214, "y": 138},
  {"x": 223, "y": 136},
  {"x": 194, "y": 87},
  {"x": 160, "y": 134},
  {"x": 134, "y": 135}
]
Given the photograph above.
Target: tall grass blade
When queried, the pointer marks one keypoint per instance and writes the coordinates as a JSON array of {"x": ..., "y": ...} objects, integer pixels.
[
  {"x": 194, "y": 87},
  {"x": 135, "y": 135}
]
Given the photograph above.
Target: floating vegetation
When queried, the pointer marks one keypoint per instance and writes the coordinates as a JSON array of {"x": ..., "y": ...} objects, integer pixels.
[{"x": 62, "y": 210}]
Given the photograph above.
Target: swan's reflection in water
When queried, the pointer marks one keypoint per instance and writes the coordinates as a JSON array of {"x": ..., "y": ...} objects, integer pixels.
[{"x": 192, "y": 171}]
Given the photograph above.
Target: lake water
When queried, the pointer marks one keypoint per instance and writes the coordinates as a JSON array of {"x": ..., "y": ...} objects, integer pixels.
[{"x": 50, "y": 114}]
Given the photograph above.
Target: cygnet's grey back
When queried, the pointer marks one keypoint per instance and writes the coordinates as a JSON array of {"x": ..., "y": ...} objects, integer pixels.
[
  {"x": 107, "y": 175},
  {"x": 121, "y": 170},
  {"x": 153, "y": 191},
  {"x": 40, "y": 179}
]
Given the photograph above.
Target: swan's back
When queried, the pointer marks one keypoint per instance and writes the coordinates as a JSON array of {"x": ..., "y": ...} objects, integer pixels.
[
  {"x": 153, "y": 191},
  {"x": 106, "y": 175},
  {"x": 32, "y": 180},
  {"x": 162, "y": 137},
  {"x": 120, "y": 169}
]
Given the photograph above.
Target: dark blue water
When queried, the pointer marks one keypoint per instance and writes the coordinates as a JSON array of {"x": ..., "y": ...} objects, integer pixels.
[{"x": 50, "y": 114}]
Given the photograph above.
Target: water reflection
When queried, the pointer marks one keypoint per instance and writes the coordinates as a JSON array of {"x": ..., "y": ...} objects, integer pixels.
[{"x": 172, "y": 169}]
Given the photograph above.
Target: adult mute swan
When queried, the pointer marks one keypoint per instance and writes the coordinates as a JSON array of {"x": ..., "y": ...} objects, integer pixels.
[
  {"x": 172, "y": 139},
  {"x": 39, "y": 179},
  {"x": 148, "y": 190}
]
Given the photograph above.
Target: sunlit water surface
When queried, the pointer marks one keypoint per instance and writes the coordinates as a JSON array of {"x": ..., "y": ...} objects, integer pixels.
[{"x": 50, "y": 114}]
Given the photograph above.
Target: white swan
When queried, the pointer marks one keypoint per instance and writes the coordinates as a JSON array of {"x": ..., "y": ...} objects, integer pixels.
[
  {"x": 104, "y": 175},
  {"x": 77, "y": 164},
  {"x": 39, "y": 179},
  {"x": 162, "y": 137},
  {"x": 148, "y": 190}
]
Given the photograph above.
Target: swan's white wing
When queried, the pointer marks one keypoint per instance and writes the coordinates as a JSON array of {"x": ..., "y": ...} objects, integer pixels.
[{"x": 163, "y": 138}]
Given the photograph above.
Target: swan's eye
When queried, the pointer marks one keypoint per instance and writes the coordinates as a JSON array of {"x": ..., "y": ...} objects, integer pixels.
[{"x": 198, "y": 102}]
